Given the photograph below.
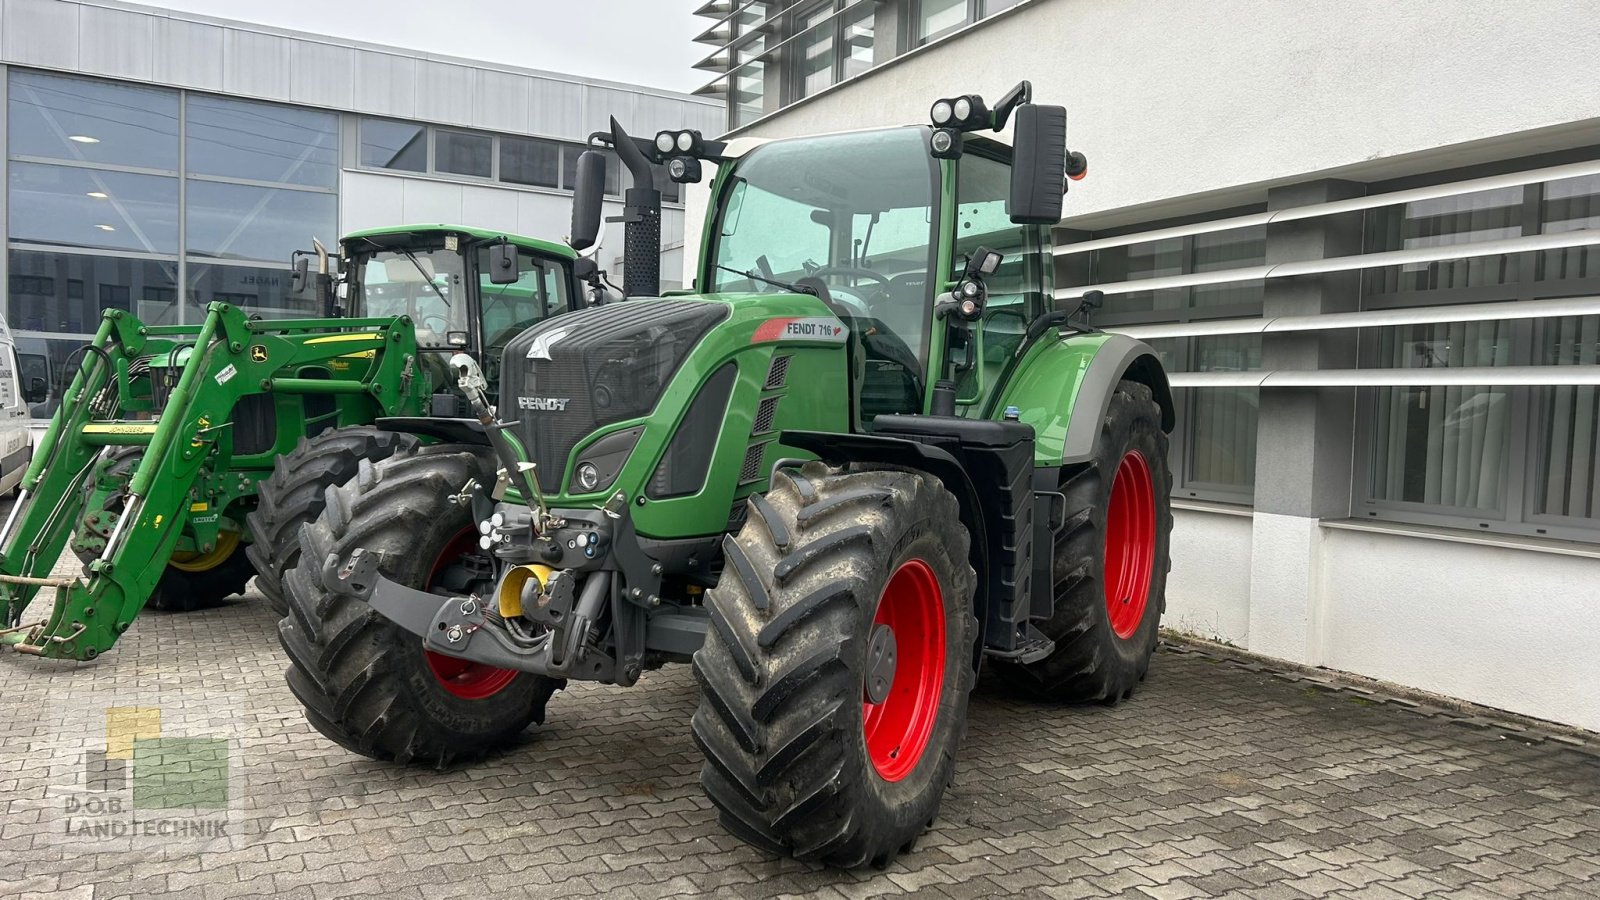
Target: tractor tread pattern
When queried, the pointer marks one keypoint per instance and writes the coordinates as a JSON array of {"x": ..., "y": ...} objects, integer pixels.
[
  {"x": 296, "y": 492},
  {"x": 1090, "y": 663},
  {"x": 361, "y": 678},
  {"x": 784, "y": 762}
]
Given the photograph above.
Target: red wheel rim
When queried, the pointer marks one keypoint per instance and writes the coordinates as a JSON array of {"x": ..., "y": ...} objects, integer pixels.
[
  {"x": 1130, "y": 544},
  {"x": 897, "y": 729},
  {"x": 462, "y": 677}
]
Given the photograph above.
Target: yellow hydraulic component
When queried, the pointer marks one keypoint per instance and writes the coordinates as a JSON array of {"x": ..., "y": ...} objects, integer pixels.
[
  {"x": 510, "y": 593},
  {"x": 200, "y": 562}
]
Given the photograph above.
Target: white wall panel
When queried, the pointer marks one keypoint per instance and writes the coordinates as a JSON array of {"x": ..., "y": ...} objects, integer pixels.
[
  {"x": 371, "y": 201},
  {"x": 444, "y": 92},
  {"x": 188, "y": 54},
  {"x": 321, "y": 74},
  {"x": 500, "y": 102},
  {"x": 556, "y": 108},
  {"x": 1208, "y": 589},
  {"x": 116, "y": 43},
  {"x": 386, "y": 84},
  {"x": 486, "y": 207},
  {"x": 255, "y": 64},
  {"x": 1504, "y": 627},
  {"x": 41, "y": 34},
  {"x": 1184, "y": 100},
  {"x": 431, "y": 201},
  {"x": 545, "y": 216}
]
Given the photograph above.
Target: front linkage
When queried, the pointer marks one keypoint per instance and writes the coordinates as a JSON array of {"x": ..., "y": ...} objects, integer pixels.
[{"x": 179, "y": 484}]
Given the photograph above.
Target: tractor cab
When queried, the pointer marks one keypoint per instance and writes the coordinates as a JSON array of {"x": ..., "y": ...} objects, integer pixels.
[
  {"x": 877, "y": 228},
  {"x": 465, "y": 290}
]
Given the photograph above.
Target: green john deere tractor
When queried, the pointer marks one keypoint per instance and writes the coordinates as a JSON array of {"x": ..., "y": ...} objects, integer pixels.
[
  {"x": 185, "y": 458},
  {"x": 866, "y": 457}
]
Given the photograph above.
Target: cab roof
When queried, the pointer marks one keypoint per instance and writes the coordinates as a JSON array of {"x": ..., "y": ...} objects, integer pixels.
[{"x": 535, "y": 245}]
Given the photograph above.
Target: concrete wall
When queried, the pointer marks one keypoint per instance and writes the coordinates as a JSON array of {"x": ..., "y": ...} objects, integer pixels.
[
  {"x": 1197, "y": 106},
  {"x": 1208, "y": 589},
  {"x": 1499, "y": 621}
]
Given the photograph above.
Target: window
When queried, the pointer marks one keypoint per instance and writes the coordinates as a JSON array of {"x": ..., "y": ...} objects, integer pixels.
[
  {"x": 831, "y": 41},
  {"x": 530, "y": 161},
  {"x": 937, "y": 18},
  {"x": 88, "y": 121},
  {"x": 258, "y": 289},
  {"x": 48, "y": 290},
  {"x": 79, "y": 207},
  {"x": 262, "y": 142},
  {"x": 394, "y": 145},
  {"x": 246, "y": 222},
  {"x": 1512, "y": 458},
  {"x": 1214, "y": 443},
  {"x": 461, "y": 153}
]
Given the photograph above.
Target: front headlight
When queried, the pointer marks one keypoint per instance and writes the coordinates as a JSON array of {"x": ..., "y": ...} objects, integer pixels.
[{"x": 601, "y": 462}]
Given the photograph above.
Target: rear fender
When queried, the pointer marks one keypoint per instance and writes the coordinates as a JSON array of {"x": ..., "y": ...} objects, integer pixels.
[{"x": 1062, "y": 387}]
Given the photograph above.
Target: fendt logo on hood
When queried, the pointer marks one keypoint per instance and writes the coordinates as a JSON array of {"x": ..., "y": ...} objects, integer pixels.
[
  {"x": 546, "y": 404},
  {"x": 543, "y": 342}
]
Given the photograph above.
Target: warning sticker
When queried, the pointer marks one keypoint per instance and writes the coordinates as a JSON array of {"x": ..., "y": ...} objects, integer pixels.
[
  {"x": 813, "y": 328},
  {"x": 227, "y": 373}
]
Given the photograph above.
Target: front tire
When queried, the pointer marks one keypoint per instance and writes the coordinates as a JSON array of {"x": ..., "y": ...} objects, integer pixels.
[
  {"x": 1110, "y": 563},
  {"x": 365, "y": 682},
  {"x": 836, "y": 671},
  {"x": 295, "y": 494},
  {"x": 190, "y": 581}
]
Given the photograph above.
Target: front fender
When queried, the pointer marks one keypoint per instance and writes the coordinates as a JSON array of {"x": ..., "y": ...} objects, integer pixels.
[{"x": 1062, "y": 387}]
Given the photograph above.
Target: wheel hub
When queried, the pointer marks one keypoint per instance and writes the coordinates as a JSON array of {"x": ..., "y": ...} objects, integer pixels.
[
  {"x": 462, "y": 677},
  {"x": 1130, "y": 544},
  {"x": 903, "y": 675},
  {"x": 880, "y": 663}
]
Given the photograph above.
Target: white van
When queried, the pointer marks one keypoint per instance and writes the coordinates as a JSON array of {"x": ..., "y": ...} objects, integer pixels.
[{"x": 16, "y": 444}]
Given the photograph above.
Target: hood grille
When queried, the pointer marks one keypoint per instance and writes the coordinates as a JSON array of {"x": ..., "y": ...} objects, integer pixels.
[{"x": 567, "y": 376}]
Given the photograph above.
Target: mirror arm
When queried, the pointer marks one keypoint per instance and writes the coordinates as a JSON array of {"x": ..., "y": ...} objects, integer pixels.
[{"x": 1022, "y": 93}]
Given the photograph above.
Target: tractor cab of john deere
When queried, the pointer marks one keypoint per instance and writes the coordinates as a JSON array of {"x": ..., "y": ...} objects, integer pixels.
[{"x": 465, "y": 290}]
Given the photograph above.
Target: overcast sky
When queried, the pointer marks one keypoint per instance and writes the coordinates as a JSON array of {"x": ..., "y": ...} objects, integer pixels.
[{"x": 640, "y": 41}]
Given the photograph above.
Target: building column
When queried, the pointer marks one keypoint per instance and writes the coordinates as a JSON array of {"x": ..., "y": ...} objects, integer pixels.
[{"x": 1303, "y": 438}]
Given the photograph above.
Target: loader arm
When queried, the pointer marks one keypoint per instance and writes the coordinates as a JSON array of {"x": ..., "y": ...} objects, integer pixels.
[{"x": 229, "y": 357}]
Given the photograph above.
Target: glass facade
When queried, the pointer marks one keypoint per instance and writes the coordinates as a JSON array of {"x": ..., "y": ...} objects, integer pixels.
[
  {"x": 124, "y": 196},
  {"x": 772, "y": 54}
]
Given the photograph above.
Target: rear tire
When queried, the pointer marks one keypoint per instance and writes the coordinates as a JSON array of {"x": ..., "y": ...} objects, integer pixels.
[
  {"x": 201, "y": 584},
  {"x": 365, "y": 682},
  {"x": 1110, "y": 563},
  {"x": 295, "y": 494},
  {"x": 800, "y": 758}
]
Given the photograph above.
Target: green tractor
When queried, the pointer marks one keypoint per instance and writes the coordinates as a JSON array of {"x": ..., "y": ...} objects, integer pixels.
[
  {"x": 865, "y": 458},
  {"x": 185, "y": 458}
]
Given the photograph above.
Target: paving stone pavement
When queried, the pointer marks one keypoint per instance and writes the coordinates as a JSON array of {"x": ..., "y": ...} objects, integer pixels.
[{"x": 1215, "y": 780}]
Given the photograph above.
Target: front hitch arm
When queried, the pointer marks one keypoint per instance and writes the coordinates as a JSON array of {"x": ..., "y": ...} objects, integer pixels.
[{"x": 457, "y": 626}]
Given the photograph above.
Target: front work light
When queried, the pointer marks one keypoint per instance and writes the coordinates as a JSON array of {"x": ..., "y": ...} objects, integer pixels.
[
  {"x": 684, "y": 169},
  {"x": 964, "y": 113},
  {"x": 665, "y": 141},
  {"x": 945, "y": 143}
]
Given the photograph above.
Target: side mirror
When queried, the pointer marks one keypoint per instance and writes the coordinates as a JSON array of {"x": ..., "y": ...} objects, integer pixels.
[
  {"x": 37, "y": 391},
  {"x": 299, "y": 272},
  {"x": 503, "y": 263},
  {"x": 1038, "y": 165},
  {"x": 588, "y": 195}
]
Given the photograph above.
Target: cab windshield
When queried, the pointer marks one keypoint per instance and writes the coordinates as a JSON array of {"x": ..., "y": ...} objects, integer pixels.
[
  {"x": 427, "y": 285},
  {"x": 853, "y": 212}
]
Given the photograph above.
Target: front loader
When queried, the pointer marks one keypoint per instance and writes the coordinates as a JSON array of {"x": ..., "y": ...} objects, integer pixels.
[
  {"x": 185, "y": 458},
  {"x": 863, "y": 458}
]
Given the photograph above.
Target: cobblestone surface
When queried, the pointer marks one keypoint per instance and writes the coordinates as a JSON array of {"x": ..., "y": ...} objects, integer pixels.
[{"x": 1217, "y": 779}]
